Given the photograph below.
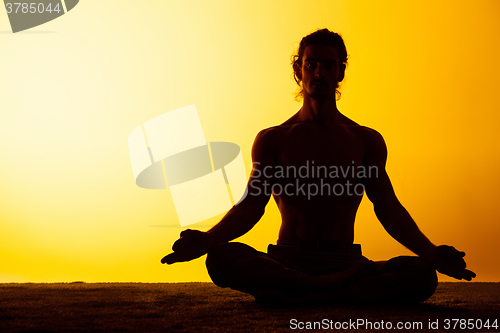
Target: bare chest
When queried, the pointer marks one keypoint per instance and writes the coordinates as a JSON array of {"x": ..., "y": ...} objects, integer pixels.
[{"x": 320, "y": 149}]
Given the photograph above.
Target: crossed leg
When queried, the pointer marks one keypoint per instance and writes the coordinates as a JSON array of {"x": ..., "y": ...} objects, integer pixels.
[
  {"x": 404, "y": 279},
  {"x": 240, "y": 267}
]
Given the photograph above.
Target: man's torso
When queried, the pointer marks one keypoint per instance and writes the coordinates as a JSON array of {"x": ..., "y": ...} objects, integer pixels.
[{"x": 318, "y": 178}]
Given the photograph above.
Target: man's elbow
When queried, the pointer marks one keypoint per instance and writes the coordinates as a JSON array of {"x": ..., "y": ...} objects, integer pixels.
[
  {"x": 255, "y": 215},
  {"x": 249, "y": 213},
  {"x": 386, "y": 208}
]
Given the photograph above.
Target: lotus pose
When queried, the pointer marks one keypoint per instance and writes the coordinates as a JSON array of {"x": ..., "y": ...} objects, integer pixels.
[{"x": 317, "y": 165}]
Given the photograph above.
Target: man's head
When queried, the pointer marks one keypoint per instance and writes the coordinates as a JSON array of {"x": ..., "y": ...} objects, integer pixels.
[{"x": 320, "y": 63}]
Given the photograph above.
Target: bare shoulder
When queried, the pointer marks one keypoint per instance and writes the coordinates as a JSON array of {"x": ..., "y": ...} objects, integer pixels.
[
  {"x": 268, "y": 136},
  {"x": 367, "y": 133},
  {"x": 265, "y": 143},
  {"x": 373, "y": 141}
]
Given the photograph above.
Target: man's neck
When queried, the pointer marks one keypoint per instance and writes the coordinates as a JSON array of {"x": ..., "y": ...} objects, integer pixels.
[{"x": 319, "y": 111}]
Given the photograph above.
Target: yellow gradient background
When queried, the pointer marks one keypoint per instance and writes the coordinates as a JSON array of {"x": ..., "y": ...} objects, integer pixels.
[{"x": 426, "y": 74}]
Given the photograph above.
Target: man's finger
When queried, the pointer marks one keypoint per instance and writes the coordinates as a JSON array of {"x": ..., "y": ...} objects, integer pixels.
[
  {"x": 178, "y": 244},
  {"x": 172, "y": 258},
  {"x": 180, "y": 256},
  {"x": 184, "y": 232},
  {"x": 469, "y": 275}
]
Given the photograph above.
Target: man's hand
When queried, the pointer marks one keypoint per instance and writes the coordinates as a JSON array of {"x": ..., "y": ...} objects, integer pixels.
[
  {"x": 191, "y": 245},
  {"x": 448, "y": 260}
]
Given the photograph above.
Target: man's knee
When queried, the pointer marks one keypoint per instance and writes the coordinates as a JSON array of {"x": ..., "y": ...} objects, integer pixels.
[
  {"x": 413, "y": 265},
  {"x": 419, "y": 274},
  {"x": 226, "y": 253},
  {"x": 221, "y": 260}
]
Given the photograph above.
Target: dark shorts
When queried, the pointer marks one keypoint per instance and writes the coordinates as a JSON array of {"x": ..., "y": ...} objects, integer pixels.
[{"x": 315, "y": 262}]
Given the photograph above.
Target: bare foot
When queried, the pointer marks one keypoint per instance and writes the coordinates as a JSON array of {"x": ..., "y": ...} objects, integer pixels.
[
  {"x": 331, "y": 288},
  {"x": 340, "y": 280}
]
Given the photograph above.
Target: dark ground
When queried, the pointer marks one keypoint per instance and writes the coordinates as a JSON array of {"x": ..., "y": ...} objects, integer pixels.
[{"x": 203, "y": 307}]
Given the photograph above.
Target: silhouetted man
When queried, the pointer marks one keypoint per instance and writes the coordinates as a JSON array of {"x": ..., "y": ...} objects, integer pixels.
[{"x": 317, "y": 165}]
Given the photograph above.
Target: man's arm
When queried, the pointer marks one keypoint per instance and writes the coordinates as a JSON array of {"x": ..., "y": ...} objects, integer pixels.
[
  {"x": 398, "y": 222},
  {"x": 246, "y": 213},
  {"x": 241, "y": 218}
]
